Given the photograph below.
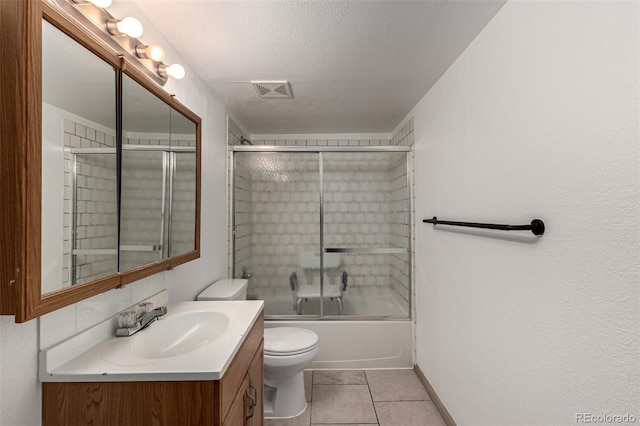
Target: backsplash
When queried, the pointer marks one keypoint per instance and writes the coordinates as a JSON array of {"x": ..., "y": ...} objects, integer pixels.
[{"x": 73, "y": 319}]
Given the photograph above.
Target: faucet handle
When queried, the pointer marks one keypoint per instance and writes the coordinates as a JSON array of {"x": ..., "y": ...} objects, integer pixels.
[
  {"x": 127, "y": 319},
  {"x": 144, "y": 308}
]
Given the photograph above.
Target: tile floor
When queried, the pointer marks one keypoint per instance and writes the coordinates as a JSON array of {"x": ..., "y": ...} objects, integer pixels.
[{"x": 359, "y": 398}]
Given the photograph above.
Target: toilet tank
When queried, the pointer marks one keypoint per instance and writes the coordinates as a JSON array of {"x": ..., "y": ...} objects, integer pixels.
[{"x": 227, "y": 289}]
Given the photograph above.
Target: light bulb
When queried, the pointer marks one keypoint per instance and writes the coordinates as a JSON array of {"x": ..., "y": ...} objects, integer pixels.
[
  {"x": 129, "y": 26},
  {"x": 99, "y": 3},
  {"x": 176, "y": 71},
  {"x": 152, "y": 51}
]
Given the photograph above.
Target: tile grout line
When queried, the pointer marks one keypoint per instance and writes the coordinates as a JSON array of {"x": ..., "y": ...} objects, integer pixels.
[
  {"x": 366, "y": 377},
  {"x": 313, "y": 374}
]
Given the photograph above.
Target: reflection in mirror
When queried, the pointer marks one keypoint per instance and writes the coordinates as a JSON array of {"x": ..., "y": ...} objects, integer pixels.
[
  {"x": 182, "y": 229},
  {"x": 79, "y": 185},
  {"x": 145, "y": 157}
]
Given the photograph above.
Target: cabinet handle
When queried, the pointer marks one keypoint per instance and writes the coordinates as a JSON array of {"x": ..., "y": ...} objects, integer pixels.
[{"x": 253, "y": 397}]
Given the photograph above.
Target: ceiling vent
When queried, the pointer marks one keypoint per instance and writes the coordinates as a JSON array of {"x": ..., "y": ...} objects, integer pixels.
[{"x": 273, "y": 89}]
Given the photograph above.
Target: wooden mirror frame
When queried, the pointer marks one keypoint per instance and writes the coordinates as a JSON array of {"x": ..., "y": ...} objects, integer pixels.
[{"x": 21, "y": 161}]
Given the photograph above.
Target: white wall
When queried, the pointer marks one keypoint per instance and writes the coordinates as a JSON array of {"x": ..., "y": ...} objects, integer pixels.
[
  {"x": 537, "y": 118},
  {"x": 20, "y": 391}
]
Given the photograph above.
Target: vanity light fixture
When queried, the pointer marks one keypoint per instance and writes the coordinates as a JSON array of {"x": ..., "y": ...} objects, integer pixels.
[
  {"x": 147, "y": 57},
  {"x": 129, "y": 26},
  {"x": 152, "y": 51},
  {"x": 99, "y": 3},
  {"x": 175, "y": 70}
]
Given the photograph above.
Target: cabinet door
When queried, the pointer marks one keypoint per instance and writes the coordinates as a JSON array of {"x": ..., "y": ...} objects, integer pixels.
[
  {"x": 237, "y": 413},
  {"x": 256, "y": 384}
]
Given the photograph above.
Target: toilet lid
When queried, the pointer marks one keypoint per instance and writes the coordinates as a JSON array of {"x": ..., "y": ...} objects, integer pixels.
[
  {"x": 227, "y": 289},
  {"x": 288, "y": 340}
]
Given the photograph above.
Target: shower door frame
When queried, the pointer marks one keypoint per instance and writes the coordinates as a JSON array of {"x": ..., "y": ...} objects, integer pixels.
[{"x": 320, "y": 149}]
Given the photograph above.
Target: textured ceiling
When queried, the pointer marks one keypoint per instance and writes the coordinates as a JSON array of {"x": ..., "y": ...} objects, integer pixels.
[{"x": 354, "y": 66}]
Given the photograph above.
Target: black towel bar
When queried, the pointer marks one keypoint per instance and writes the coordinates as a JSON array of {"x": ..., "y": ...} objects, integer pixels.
[{"x": 536, "y": 226}]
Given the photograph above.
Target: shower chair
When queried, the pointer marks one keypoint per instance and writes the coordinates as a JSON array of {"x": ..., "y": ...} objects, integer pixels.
[{"x": 310, "y": 263}]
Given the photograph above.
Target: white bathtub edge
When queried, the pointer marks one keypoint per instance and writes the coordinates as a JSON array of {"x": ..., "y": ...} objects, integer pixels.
[{"x": 358, "y": 344}]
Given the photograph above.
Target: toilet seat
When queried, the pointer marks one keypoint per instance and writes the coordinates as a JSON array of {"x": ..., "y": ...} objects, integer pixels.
[{"x": 287, "y": 341}]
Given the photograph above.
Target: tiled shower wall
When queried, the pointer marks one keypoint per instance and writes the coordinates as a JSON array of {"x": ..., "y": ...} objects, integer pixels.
[
  {"x": 277, "y": 216},
  {"x": 234, "y": 132},
  {"x": 405, "y": 136},
  {"x": 142, "y": 204},
  {"x": 243, "y": 224},
  {"x": 323, "y": 142},
  {"x": 183, "y": 209},
  {"x": 402, "y": 284},
  {"x": 141, "y": 222},
  {"x": 243, "y": 229},
  {"x": 96, "y": 203},
  {"x": 364, "y": 270}
]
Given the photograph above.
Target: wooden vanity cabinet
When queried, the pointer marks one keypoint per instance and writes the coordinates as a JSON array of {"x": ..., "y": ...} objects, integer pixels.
[
  {"x": 247, "y": 405},
  {"x": 238, "y": 396},
  {"x": 228, "y": 402}
]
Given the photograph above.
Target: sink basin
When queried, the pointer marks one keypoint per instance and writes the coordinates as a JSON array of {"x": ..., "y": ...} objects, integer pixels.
[
  {"x": 175, "y": 335},
  {"x": 194, "y": 341},
  {"x": 178, "y": 334}
]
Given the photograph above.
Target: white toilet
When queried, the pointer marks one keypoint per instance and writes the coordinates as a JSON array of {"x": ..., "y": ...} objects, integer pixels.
[
  {"x": 287, "y": 351},
  {"x": 225, "y": 290}
]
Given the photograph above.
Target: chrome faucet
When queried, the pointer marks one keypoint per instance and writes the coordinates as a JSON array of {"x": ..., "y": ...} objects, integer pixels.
[{"x": 142, "y": 322}]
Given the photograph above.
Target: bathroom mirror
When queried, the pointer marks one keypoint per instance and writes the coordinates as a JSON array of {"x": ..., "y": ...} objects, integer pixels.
[
  {"x": 69, "y": 158},
  {"x": 79, "y": 176},
  {"x": 182, "y": 224},
  {"x": 158, "y": 211},
  {"x": 145, "y": 189}
]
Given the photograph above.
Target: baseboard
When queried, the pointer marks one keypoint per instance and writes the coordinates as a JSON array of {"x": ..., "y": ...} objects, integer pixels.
[{"x": 434, "y": 397}]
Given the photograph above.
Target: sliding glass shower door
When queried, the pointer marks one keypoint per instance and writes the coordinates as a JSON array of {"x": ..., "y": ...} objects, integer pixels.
[
  {"x": 277, "y": 211},
  {"x": 366, "y": 232},
  {"x": 323, "y": 234}
]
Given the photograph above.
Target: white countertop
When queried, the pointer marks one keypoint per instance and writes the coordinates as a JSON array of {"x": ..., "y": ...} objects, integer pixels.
[{"x": 206, "y": 362}]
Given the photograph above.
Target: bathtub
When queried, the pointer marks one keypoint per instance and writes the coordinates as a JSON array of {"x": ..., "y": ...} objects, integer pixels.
[
  {"x": 358, "y": 344},
  {"x": 351, "y": 343}
]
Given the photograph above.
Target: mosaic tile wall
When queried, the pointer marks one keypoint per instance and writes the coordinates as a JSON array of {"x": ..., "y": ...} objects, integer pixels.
[
  {"x": 293, "y": 234},
  {"x": 277, "y": 215}
]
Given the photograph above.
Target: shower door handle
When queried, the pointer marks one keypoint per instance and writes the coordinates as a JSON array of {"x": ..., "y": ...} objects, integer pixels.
[{"x": 365, "y": 250}]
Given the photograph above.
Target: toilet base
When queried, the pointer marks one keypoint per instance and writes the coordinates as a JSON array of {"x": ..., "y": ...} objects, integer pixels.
[{"x": 284, "y": 398}]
